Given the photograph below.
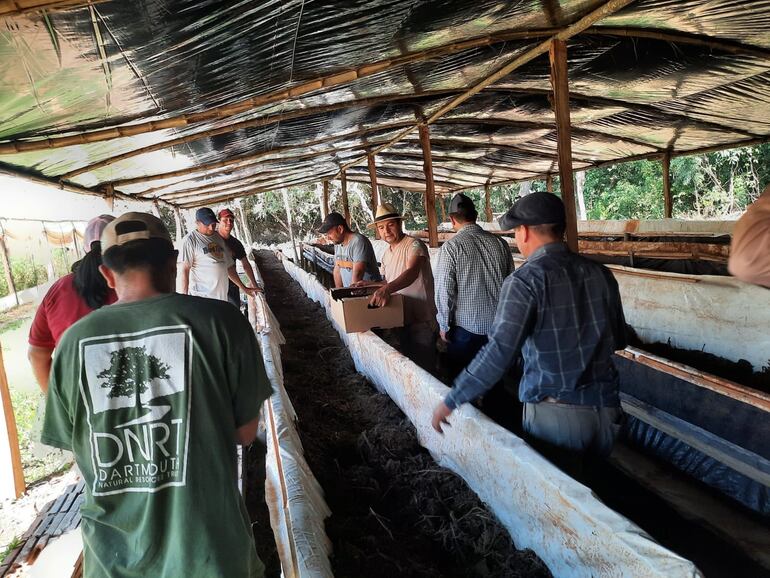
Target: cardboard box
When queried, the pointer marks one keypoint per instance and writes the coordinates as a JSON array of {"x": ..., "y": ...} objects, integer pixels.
[{"x": 351, "y": 310}]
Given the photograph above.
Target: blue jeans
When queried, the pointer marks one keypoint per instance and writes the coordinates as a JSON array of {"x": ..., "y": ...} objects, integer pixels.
[{"x": 462, "y": 348}]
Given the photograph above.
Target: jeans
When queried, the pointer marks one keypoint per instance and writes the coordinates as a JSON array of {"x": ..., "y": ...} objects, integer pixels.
[{"x": 462, "y": 348}]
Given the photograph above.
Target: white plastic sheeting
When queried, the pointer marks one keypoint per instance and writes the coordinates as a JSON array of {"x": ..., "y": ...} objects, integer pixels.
[
  {"x": 293, "y": 495},
  {"x": 543, "y": 509}
]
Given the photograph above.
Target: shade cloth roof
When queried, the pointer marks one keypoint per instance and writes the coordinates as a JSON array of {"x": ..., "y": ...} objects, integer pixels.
[{"x": 263, "y": 94}]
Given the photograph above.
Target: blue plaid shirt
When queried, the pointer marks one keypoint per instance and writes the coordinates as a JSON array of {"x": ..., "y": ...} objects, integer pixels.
[{"x": 563, "y": 312}]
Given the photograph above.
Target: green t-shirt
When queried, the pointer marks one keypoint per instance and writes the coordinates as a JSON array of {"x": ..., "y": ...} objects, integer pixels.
[{"x": 148, "y": 395}]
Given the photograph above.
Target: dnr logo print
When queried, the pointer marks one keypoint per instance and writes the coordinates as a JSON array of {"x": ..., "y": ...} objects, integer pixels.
[
  {"x": 137, "y": 391},
  {"x": 216, "y": 251}
]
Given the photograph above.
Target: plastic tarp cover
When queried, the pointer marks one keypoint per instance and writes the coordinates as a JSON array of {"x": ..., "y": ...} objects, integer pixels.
[
  {"x": 293, "y": 495},
  {"x": 543, "y": 509},
  {"x": 116, "y": 63}
]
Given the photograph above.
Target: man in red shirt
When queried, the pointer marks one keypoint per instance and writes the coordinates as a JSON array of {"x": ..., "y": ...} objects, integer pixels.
[{"x": 70, "y": 298}]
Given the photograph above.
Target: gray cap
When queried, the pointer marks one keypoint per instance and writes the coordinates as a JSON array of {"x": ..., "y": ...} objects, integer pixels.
[
  {"x": 460, "y": 201},
  {"x": 534, "y": 209}
]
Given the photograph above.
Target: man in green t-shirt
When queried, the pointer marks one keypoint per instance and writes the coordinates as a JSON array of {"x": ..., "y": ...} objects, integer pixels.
[{"x": 152, "y": 394}]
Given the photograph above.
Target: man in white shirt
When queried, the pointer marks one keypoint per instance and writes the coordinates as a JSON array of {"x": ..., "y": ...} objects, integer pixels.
[{"x": 206, "y": 261}]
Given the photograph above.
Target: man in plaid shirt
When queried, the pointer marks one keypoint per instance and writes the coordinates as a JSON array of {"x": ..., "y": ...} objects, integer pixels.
[
  {"x": 472, "y": 266},
  {"x": 563, "y": 312}
]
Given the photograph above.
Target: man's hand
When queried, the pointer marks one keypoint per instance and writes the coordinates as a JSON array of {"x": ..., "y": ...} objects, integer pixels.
[
  {"x": 252, "y": 290},
  {"x": 440, "y": 415},
  {"x": 443, "y": 336},
  {"x": 380, "y": 297}
]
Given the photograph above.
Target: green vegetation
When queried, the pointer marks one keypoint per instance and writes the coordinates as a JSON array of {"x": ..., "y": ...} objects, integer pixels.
[
  {"x": 26, "y": 274},
  {"x": 713, "y": 186},
  {"x": 10, "y": 547}
]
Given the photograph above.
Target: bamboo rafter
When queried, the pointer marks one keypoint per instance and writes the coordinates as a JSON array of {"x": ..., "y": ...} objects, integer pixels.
[{"x": 523, "y": 58}]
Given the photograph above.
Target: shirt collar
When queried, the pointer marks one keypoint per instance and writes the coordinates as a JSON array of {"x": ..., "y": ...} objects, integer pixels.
[
  {"x": 468, "y": 227},
  {"x": 556, "y": 247}
]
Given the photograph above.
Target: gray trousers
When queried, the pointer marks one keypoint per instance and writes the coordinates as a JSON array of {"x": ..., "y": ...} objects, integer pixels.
[{"x": 577, "y": 429}]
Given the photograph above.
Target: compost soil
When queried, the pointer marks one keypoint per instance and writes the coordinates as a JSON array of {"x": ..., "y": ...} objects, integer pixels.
[{"x": 395, "y": 512}]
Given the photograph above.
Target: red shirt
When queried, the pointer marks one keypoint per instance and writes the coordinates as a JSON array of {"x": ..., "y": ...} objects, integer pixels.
[{"x": 60, "y": 308}]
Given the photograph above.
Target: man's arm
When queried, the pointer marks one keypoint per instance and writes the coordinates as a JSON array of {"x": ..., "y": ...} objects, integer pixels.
[
  {"x": 446, "y": 290},
  {"x": 359, "y": 270},
  {"x": 186, "y": 277},
  {"x": 409, "y": 276},
  {"x": 513, "y": 322},
  {"x": 249, "y": 270},
  {"x": 337, "y": 276},
  {"x": 247, "y": 433},
  {"x": 40, "y": 358},
  {"x": 233, "y": 275}
]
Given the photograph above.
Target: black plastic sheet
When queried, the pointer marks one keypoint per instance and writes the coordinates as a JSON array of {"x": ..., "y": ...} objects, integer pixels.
[{"x": 652, "y": 77}]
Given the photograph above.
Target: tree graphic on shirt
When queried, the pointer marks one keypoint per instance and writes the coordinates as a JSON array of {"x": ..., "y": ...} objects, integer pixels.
[{"x": 131, "y": 370}]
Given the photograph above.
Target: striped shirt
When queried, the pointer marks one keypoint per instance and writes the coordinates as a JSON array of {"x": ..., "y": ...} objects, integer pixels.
[
  {"x": 472, "y": 266},
  {"x": 563, "y": 312}
]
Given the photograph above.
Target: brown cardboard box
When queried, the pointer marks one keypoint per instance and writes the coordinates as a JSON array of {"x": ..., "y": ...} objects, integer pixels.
[{"x": 350, "y": 309}]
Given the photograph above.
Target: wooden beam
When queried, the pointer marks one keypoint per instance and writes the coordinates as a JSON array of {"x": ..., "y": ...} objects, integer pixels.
[
  {"x": 11, "y": 8},
  {"x": 12, "y": 434},
  {"x": 179, "y": 225},
  {"x": 441, "y": 201},
  {"x": 430, "y": 189},
  {"x": 668, "y": 202},
  {"x": 602, "y": 11},
  {"x": 373, "y": 182},
  {"x": 559, "y": 80},
  {"x": 344, "y": 194},
  {"x": 274, "y": 186},
  {"x": 325, "y": 200},
  {"x": 488, "y": 203},
  {"x": 549, "y": 183}
]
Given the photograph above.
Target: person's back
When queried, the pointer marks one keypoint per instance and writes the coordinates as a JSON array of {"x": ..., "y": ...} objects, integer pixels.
[
  {"x": 151, "y": 395},
  {"x": 578, "y": 324}
]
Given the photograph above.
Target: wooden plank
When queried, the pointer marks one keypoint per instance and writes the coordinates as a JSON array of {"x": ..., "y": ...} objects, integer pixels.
[
  {"x": 746, "y": 462},
  {"x": 373, "y": 182},
  {"x": 560, "y": 83},
  {"x": 668, "y": 202},
  {"x": 7, "y": 266},
  {"x": 17, "y": 469},
  {"x": 549, "y": 183},
  {"x": 430, "y": 190}
]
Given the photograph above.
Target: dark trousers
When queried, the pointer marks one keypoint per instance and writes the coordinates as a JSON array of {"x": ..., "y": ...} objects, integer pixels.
[{"x": 461, "y": 349}]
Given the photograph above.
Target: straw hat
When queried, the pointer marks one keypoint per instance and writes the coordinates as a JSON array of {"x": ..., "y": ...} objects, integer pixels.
[{"x": 385, "y": 212}]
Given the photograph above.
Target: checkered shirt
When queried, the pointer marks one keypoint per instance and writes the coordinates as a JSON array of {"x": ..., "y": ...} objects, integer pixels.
[
  {"x": 563, "y": 312},
  {"x": 472, "y": 266}
]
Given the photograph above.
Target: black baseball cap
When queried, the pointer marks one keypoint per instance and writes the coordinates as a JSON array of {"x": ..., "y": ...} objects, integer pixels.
[
  {"x": 205, "y": 216},
  {"x": 460, "y": 201},
  {"x": 332, "y": 220},
  {"x": 534, "y": 209}
]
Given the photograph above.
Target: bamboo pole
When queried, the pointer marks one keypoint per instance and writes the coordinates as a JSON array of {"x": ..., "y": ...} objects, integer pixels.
[
  {"x": 668, "y": 203},
  {"x": 373, "y": 182},
  {"x": 287, "y": 207},
  {"x": 344, "y": 193},
  {"x": 430, "y": 189},
  {"x": 487, "y": 203},
  {"x": 17, "y": 469},
  {"x": 178, "y": 222},
  {"x": 441, "y": 200},
  {"x": 559, "y": 80},
  {"x": 243, "y": 222},
  {"x": 527, "y": 56},
  {"x": 7, "y": 267},
  {"x": 325, "y": 200}
]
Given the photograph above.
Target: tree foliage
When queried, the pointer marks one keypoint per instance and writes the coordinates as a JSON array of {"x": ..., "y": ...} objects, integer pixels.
[{"x": 131, "y": 370}]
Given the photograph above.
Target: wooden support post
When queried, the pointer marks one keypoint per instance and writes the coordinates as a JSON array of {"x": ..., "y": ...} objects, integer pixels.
[
  {"x": 488, "y": 203},
  {"x": 441, "y": 201},
  {"x": 7, "y": 267},
  {"x": 243, "y": 223},
  {"x": 287, "y": 206},
  {"x": 549, "y": 182},
  {"x": 668, "y": 201},
  {"x": 178, "y": 222},
  {"x": 373, "y": 182},
  {"x": 430, "y": 190},
  {"x": 559, "y": 81},
  {"x": 344, "y": 193},
  {"x": 16, "y": 470},
  {"x": 325, "y": 200}
]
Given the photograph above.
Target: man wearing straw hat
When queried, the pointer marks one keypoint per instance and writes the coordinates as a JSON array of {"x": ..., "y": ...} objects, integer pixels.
[{"x": 406, "y": 270}]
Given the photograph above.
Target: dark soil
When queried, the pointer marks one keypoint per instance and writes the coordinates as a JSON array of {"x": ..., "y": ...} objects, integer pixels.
[
  {"x": 740, "y": 371},
  {"x": 395, "y": 512}
]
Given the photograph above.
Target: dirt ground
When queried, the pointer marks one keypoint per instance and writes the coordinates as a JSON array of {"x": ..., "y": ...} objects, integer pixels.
[{"x": 394, "y": 511}]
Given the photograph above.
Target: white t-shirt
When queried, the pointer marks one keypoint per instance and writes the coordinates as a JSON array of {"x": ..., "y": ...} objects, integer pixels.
[{"x": 209, "y": 259}]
